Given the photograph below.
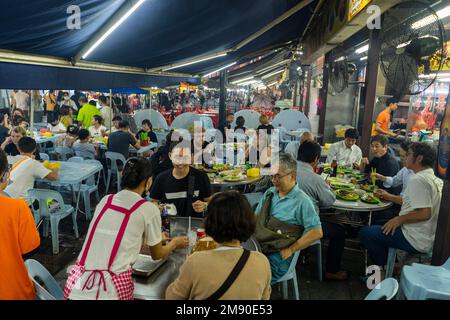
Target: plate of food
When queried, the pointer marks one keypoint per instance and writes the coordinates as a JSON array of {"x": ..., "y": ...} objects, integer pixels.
[
  {"x": 234, "y": 172},
  {"x": 222, "y": 167},
  {"x": 368, "y": 187},
  {"x": 347, "y": 195},
  {"x": 342, "y": 185},
  {"x": 368, "y": 198},
  {"x": 233, "y": 178}
]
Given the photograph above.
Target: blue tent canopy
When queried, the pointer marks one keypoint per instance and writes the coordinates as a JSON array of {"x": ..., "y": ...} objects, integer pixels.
[
  {"x": 158, "y": 33},
  {"x": 123, "y": 91}
]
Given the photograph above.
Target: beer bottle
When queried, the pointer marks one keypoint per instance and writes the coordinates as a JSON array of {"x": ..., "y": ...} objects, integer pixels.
[{"x": 334, "y": 167}]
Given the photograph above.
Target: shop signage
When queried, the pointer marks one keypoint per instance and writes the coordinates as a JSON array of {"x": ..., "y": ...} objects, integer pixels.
[{"x": 355, "y": 7}]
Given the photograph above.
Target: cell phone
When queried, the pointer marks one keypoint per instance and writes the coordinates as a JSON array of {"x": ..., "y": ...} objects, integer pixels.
[{"x": 4, "y": 176}]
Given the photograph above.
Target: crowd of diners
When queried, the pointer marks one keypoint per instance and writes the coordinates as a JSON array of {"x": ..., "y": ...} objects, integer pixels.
[{"x": 128, "y": 223}]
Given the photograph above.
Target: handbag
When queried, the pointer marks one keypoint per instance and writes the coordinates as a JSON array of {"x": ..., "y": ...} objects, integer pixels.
[
  {"x": 272, "y": 233},
  {"x": 232, "y": 277}
]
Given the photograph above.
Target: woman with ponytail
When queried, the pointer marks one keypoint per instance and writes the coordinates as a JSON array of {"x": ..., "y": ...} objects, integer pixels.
[{"x": 122, "y": 225}]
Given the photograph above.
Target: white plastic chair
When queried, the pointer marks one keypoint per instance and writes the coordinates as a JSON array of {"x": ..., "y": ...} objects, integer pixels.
[
  {"x": 76, "y": 159},
  {"x": 385, "y": 290},
  {"x": 291, "y": 274},
  {"x": 253, "y": 198},
  {"x": 64, "y": 153},
  {"x": 251, "y": 244},
  {"x": 44, "y": 156},
  {"x": 113, "y": 167},
  {"x": 52, "y": 290},
  {"x": 43, "y": 212},
  {"x": 89, "y": 187},
  {"x": 392, "y": 254}
]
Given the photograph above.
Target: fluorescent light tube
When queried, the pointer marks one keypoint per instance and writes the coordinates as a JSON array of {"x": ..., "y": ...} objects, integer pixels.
[
  {"x": 114, "y": 27},
  {"x": 176, "y": 66},
  {"x": 362, "y": 49},
  {"x": 220, "y": 69}
]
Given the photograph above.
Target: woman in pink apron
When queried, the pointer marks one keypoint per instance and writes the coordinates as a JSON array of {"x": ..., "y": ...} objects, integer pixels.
[{"x": 122, "y": 225}]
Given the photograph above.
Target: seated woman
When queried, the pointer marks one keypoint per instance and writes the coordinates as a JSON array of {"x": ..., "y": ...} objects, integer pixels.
[
  {"x": 126, "y": 224},
  {"x": 147, "y": 128},
  {"x": 230, "y": 221},
  {"x": 71, "y": 136},
  {"x": 54, "y": 124}
]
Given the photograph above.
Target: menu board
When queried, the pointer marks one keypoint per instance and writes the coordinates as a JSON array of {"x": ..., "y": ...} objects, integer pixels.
[
  {"x": 355, "y": 7},
  {"x": 442, "y": 169}
]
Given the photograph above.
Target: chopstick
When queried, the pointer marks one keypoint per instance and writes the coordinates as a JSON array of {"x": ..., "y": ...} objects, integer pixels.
[{"x": 374, "y": 170}]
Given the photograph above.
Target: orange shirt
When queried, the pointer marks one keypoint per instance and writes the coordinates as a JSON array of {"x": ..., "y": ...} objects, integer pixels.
[
  {"x": 18, "y": 236},
  {"x": 383, "y": 121}
]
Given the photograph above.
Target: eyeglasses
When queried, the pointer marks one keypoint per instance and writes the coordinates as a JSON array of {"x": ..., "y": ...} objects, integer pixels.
[{"x": 278, "y": 177}]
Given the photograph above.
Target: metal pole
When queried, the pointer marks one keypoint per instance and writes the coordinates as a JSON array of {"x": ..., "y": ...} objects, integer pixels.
[
  {"x": 373, "y": 62},
  {"x": 323, "y": 93},
  {"x": 222, "y": 98},
  {"x": 109, "y": 125},
  {"x": 32, "y": 102}
]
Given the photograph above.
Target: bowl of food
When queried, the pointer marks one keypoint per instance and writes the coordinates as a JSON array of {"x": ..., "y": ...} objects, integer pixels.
[
  {"x": 342, "y": 185},
  {"x": 233, "y": 178},
  {"x": 371, "y": 199}
]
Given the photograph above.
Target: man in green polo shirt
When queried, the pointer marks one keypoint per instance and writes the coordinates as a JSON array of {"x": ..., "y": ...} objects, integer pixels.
[
  {"x": 87, "y": 112},
  {"x": 291, "y": 206}
]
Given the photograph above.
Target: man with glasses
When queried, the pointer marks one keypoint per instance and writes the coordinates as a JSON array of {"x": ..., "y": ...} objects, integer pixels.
[
  {"x": 286, "y": 205},
  {"x": 413, "y": 230}
]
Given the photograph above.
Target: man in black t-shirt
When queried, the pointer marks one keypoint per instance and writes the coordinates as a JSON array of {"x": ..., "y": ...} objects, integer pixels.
[
  {"x": 187, "y": 188},
  {"x": 121, "y": 140}
]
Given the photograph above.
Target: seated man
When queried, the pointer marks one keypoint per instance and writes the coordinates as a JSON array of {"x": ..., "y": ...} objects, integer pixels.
[
  {"x": 187, "y": 188},
  {"x": 400, "y": 179},
  {"x": 292, "y": 147},
  {"x": 285, "y": 207},
  {"x": 385, "y": 164},
  {"x": 83, "y": 148},
  {"x": 26, "y": 170},
  {"x": 346, "y": 152},
  {"x": 19, "y": 237},
  {"x": 121, "y": 140},
  {"x": 322, "y": 196},
  {"x": 116, "y": 121},
  {"x": 414, "y": 229}
]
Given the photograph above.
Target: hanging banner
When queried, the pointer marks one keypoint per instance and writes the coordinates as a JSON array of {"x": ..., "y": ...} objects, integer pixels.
[{"x": 356, "y": 6}]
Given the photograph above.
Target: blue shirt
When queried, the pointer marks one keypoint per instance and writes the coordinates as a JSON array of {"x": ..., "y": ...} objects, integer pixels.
[
  {"x": 401, "y": 178},
  {"x": 295, "y": 208}
]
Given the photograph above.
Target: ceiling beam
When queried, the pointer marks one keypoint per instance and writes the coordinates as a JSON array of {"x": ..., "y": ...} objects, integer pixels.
[{"x": 49, "y": 61}]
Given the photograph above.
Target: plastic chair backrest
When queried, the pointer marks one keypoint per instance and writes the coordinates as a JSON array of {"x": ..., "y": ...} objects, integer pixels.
[
  {"x": 44, "y": 156},
  {"x": 251, "y": 244},
  {"x": 253, "y": 198},
  {"x": 385, "y": 290},
  {"x": 446, "y": 265},
  {"x": 291, "y": 269},
  {"x": 42, "y": 195},
  {"x": 114, "y": 157},
  {"x": 75, "y": 159},
  {"x": 64, "y": 152},
  {"x": 37, "y": 271}
]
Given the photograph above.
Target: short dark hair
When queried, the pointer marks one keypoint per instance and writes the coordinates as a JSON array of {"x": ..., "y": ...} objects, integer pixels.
[
  {"x": 391, "y": 100},
  {"x": 352, "y": 133},
  {"x": 230, "y": 114},
  {"x": 174, "y": 144},
  {"x": 230, "y": 217},
  {"x": 381, "y": 139},
  {"x": 135, "y": 171},
  {"x": 27, "y": 145},
  {"x": 83, "y": 134},
  {"x": 82, "y": 99},
  {"x": 124, "y": 124},
  {"x": 71, "y": 129},
  {"x": 405, "y": 145},
  {"x": 147, "y": 122},
  {"x": 426, "y": 150},
  {"x": 309, "y": 151},
  {"x": 117, "y": 118},
  {"x": 3, "y": 161},
  {"x": 240, "y": 121},
  {"x": 98, "y": 118},
  {"x": 93, "y": 103},
  {"x": 102, "y": 98}
]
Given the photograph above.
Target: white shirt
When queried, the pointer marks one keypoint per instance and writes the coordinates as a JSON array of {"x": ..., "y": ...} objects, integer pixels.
[
  {"x": 69, "y": 103},
  {"x": 58, "y": 128},
  {"x": 344, "y": 156},
  {"x": 107, "y": 115},
  {"x": 96, "y": 132},
  {"x": 23, "y": 176},
  {"x": 22, "y": 100},
  {"x": 401, "y": 178},
  {"x": 144, "y": 225},
  {"x": 424, "y": 190}
]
